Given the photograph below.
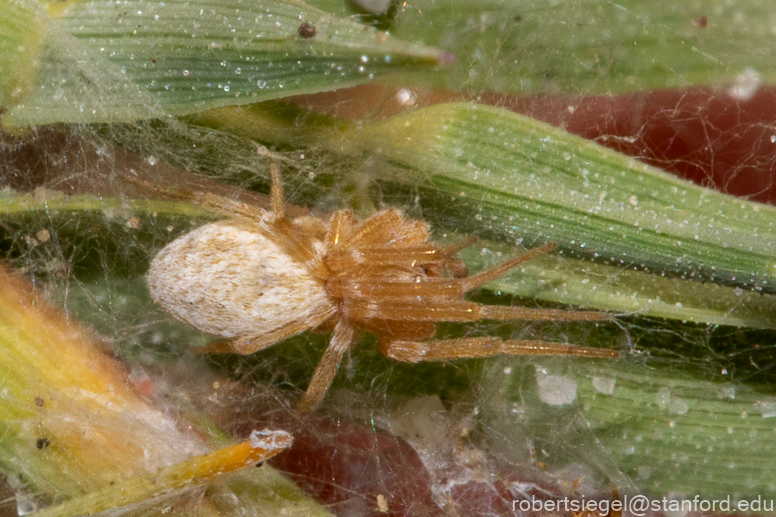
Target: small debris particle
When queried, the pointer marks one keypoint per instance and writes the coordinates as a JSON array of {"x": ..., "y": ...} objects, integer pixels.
[
  {"x": 42, "y": 443},
  {"x": 700, "y": 22},
  {"x": 518, "y": 18},
  {"x": 406, "y": 97},
  {"x": 307, "y": 30},
  {"x": 373, "y": 6},
  {"x": 60, "y": 268},
  {"x": 270, "y": 440},
  {"x": 133, "y": 222},
  {"x": 382, "y": 504},
  {"x": 43, "y": 235},
  {"x": 39, "y": 402}
]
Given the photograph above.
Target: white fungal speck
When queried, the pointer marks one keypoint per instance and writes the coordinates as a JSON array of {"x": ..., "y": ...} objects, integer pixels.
[
  {"x": 663, "y": 398},
  {"x": 604, "y": 385},
  {"x": 555, "y": 390},
  {"x": 270, "y": 440},
  {"x": 768, "y": 409},
  {"x": 677, "y": 407},
  {"x": 373, "y": 6},
  {"x": 643, "y": 472},
  {"x": 745, "y": 85}
]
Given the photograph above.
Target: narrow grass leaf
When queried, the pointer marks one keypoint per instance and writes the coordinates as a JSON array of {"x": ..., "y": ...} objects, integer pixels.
[{"x": 105, "y": 62}]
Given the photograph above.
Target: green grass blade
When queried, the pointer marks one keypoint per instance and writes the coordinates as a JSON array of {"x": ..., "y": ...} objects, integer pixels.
[
  {"x": 654, "y": 430},
  {"x": 674, "y": 433},
  {"x": 19, "y": 38},
  {"x": 522, "y": 179},
  {"x": 52, "y": 201},
  {"x": 106, "y": 63},
  {"x": 587, "y": 46}
]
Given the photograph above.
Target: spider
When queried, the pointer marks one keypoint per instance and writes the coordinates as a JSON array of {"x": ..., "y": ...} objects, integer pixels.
[{"x": 259, "y": 277}]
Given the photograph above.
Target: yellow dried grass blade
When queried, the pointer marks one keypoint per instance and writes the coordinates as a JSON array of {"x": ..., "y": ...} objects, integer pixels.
[{"x": 187, "y": 474}]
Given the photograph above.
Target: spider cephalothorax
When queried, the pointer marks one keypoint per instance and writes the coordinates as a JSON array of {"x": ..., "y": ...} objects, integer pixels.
[{"x": 259, "y": 277}]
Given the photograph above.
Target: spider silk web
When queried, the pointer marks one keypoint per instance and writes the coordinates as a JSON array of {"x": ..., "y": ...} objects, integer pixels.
[{"x": 467, "y": 437}]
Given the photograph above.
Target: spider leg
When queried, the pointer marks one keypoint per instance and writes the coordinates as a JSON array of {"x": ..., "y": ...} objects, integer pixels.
[
  {"x": 413, "y": 352},
  {"x": 249, "y": 344},
  {"x": 435, "y": 309},
  {"x": 421, "y": 253},
  {"x": 276, "y": 193},
  {"x": 426, "y": 255},
  {"x": 388, "y": 226},
  {"x": 341, "y": 340},
  {"x": 210, "y": 202},
  {"x": 507, "y": 313},
  {"x": 219, "y": 204},
  {"x": 502, "y": 269},
  {"x": 341, "y": 223},
  {"x": 453, "y": 264}
]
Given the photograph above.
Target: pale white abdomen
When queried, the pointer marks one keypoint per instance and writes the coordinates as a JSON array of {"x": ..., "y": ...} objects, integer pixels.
[{"x": 228, "y": 278}]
